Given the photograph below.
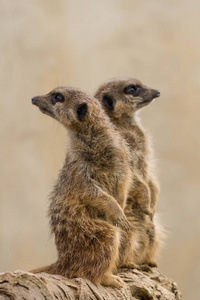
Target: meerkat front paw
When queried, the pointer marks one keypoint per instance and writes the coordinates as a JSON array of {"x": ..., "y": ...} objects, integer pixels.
[
  {"x": 121, "y": 221},
  {"x": 148, "y": 213},
  {"x": 118, "y": 218}
]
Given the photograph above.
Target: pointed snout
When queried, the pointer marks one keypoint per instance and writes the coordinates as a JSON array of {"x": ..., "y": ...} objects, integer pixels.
[
  {"x": 156, "y": 93},
  {"x": 34, "y": 100}
]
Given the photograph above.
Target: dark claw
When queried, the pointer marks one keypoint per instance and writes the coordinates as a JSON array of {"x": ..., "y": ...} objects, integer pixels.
[{"x": 124, "y": 224}]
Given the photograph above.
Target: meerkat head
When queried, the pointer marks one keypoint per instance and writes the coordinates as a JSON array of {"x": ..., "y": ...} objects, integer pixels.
[
  {"x": 69, "y": 106},
  {"x": 124, "y": 96}
]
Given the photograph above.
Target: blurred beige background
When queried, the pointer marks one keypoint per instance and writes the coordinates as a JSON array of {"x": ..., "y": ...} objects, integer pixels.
[{"x": 44, "y": 44}]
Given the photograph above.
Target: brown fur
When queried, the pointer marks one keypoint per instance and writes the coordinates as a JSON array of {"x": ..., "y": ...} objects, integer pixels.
[
  {"x": 94, "y": 179},
  {"x": 141, "y": 242}
]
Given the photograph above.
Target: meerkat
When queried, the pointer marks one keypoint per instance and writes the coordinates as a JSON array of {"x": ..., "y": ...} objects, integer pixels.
[
  {"x": 91, "y": 191},
  {"x": 121, "y": 99}
]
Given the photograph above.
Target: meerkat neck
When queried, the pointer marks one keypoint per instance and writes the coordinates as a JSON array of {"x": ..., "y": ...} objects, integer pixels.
[
  {"x": 126, "y": 120},
  {"x": 92, "y": 138}
]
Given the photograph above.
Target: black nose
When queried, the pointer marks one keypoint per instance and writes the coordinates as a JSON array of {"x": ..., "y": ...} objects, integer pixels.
[
  {"x": 156, "y": 93},
  {"x": 34, "y": 99}
]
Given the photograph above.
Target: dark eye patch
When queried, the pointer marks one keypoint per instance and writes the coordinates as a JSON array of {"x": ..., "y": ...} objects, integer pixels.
[
  {"x": 109, "y": 102},
  {"x": 57, "y": 97},
  {"x": 132, "y": 89},
  {"x": 81, "y": 111}
]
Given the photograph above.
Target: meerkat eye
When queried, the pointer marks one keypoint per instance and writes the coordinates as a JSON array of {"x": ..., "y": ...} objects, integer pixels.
[
  {"x": 57, "y": 97},
  {"x": 108, "y": 102},
  {"x": 132, "y": 89}
]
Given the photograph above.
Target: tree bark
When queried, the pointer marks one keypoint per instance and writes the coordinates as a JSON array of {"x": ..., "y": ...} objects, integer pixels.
[{"x": 146, "y": 284}]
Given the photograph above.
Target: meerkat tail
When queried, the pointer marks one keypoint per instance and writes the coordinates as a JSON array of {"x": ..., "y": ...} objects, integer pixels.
[{"x": 47, "y": 269}]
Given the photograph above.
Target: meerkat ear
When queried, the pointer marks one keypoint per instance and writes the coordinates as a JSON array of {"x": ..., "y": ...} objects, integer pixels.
[
  {"x": 109, "y": 102},
  {"x": 81, "y": 111}
]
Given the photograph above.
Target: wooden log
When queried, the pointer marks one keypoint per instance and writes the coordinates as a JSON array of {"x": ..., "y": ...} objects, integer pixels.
[{"x": 147, "y": 284}]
